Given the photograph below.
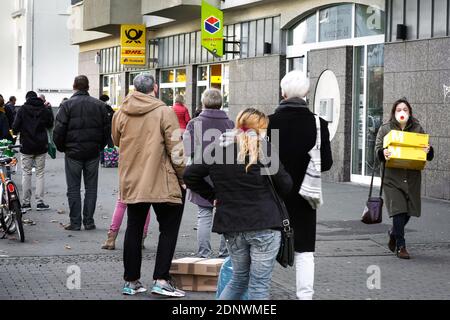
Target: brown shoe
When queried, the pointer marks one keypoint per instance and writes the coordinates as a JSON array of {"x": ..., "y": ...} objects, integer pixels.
[
  {"x": 402, "y": 253},
  {"x": 110, "y": 243},
  {"x": 392, "y": 244}
]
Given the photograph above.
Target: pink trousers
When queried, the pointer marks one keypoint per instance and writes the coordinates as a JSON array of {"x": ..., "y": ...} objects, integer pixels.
[{"x": 117, "y": 218}]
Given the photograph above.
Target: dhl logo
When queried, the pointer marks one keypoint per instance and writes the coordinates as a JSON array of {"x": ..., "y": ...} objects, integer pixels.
[{"x": 133, "y": 52}]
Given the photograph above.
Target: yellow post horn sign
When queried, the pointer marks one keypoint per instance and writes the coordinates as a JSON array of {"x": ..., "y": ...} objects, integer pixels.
[{"x": 133, "y": 44}]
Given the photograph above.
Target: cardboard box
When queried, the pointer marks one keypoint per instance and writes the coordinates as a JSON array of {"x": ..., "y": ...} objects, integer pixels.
[
  {"x": 196, "y": 283},
  {"x": 197, "y": 266},
  {"x": 406, "y": 139},
  {"x": 196, "y": 274},
  {"x": 407, "y": 158}
]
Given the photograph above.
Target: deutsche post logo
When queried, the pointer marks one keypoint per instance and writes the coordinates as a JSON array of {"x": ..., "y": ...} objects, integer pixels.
[
  {"x": 212, "y": 25},
  {"x": 134, "y": 36}
]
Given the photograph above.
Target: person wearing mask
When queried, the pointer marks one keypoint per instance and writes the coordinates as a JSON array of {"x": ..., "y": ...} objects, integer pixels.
[
  {"x": 82, "y": 130},
  {"x": 151, "y": 171},
  {"x": 402, "y": 187},
  {"x": 32, "y": 122},
  {"x": 295, "y": 126},
  {"x": 212, "y": 118},
  {"x": 181, "y": 111},
  {"x": 247, "y": 213}
]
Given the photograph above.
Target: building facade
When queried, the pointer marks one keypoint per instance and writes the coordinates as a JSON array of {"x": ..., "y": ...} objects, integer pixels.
[
  {"x": 349, "y": 50},
  {"x": 36, "y": 53}
]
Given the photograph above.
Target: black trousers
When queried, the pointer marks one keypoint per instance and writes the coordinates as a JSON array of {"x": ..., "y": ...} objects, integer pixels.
[
  {"x": 398, "y": 231},
  {"x": 169, "y": 219}
]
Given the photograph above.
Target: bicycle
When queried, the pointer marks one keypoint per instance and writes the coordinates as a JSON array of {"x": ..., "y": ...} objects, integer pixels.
[{"x": 10, "y": 208}]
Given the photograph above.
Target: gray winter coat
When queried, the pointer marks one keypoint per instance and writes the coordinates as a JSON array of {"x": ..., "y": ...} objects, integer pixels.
[{"x": 402, "y": 187}]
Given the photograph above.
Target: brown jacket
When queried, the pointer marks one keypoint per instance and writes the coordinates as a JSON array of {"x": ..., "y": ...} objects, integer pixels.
[{"x": 151, "y": 163}]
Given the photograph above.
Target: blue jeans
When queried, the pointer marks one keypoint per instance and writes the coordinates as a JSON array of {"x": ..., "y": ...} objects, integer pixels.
[
  {"x": 205, "y": 221},
  {"x": 253, "y": 256}
]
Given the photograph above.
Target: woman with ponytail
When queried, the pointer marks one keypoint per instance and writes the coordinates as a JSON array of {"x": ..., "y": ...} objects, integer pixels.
[{"x": 247, "y": 214}]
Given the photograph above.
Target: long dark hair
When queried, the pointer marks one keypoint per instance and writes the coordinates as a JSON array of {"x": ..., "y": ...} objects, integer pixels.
[{"x": 394, "y": 107}]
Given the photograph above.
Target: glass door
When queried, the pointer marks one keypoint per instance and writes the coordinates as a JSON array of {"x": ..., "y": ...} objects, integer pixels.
[
  {"x": 367, "y": 110},
  {"x": 213, "y": 76}
]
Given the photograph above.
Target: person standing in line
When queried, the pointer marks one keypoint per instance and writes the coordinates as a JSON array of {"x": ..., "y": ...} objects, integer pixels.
[
  {"x": 151, "y": 171},
  {"x": 5, "y": 133},
  {"x": 247, "y": 212},
  {"x": 10, "y": 109},
  {"x": 212, "y": 118},
  {"x": 32, "y": 122},
  {"x": 296, "y": 126},
  {"x": 82, "y": 130},
  {"x": 402, "y": 187}
]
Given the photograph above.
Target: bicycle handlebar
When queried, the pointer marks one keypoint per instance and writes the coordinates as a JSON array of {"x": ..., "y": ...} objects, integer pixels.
[{"x": 11, "y": 147}]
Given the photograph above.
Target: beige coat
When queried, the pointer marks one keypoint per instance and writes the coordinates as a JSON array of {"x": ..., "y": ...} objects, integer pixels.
[{"x": 151, "y": 163}]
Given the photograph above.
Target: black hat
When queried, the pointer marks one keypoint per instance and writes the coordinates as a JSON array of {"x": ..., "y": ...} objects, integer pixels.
[{"x": 31, "y": 94}]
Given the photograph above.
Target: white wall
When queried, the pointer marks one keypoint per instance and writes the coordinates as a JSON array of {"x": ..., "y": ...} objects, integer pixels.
[
  {"x": 55, "y": 60},
  {"x": 8, "y": 50}
]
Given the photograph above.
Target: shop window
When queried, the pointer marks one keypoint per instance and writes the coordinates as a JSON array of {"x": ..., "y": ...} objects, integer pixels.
[
  {"x": 213, "y": 76},
  {"x": 370, "y": 21},
  {"x": 335, "y": 23},
  {"x": 304, "y": 32},
  {"x": 173, "y": 82}
]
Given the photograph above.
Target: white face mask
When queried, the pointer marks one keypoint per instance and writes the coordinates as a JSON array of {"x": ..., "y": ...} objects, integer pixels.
[{"x": 402, "y": 117}]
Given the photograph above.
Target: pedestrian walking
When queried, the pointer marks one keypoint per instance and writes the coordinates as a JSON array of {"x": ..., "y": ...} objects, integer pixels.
[
  {"x": 181, "y": 111},
  {"x": 116, "y": 223},
  {"x": 247, "y": 213},
  {"x": 196, "y": 139},
  {"x": 402, "y": 187},
  {"x": 32, "y": 122},
  {"x": 81, "y": 131},
  {"x": 296, "y": 127},
  {"x": 151, "y": 175}
]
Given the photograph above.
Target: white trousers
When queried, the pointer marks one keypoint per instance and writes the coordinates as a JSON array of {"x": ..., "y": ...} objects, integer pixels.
[{"x": 304, "y": 266}]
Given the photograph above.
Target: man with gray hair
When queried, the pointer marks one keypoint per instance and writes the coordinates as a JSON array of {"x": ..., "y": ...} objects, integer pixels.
[
  {"x": 150, "y": 175},
  {"x": 211, "y": 118}
]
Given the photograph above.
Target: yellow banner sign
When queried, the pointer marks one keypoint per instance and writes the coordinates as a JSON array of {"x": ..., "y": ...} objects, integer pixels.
[{"x": 133, "y": 44}]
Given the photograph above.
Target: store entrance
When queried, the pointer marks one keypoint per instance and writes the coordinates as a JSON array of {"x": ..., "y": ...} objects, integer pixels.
[{"x": 213, "y": 76}]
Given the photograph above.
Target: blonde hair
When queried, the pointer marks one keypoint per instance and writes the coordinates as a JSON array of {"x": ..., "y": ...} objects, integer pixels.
[{"x": 252, "y": 125}]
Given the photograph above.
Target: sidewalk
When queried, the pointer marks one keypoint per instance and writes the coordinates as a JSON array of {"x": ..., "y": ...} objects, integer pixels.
[{"x": 346, "y": 248}]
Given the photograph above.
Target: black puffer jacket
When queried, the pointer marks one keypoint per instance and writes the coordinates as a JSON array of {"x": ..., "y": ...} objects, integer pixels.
[
  {"x": 82, "y": 127},
  {"x": 32, "y": 122},
  {"x": 244, "y": 200}
]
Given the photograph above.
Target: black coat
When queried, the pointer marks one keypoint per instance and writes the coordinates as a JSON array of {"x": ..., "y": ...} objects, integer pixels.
[
  {"x": 82, "y": 127},
  {"x": 244, "y": 200},
  {"x": 298, "y": 133},
  {"x": 32, "y": 121},
  {"x": 4, "y": 127}
]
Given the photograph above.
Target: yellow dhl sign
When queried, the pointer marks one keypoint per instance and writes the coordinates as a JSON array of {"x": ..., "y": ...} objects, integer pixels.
[
  {"x": 133, "y": 44},
  {"x": 406, "y": 139},
  {"x": 412, "y": 158}
]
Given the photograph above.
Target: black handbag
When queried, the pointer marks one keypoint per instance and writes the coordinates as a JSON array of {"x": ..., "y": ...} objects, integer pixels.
[
  {"x": 286, "y": 254},
  {"x": 373, "y": 212}
]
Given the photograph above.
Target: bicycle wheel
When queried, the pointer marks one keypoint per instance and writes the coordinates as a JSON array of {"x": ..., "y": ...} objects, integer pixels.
[
  {"x": 18, "y": 216},
  {"x": 7, "y": 222}
]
